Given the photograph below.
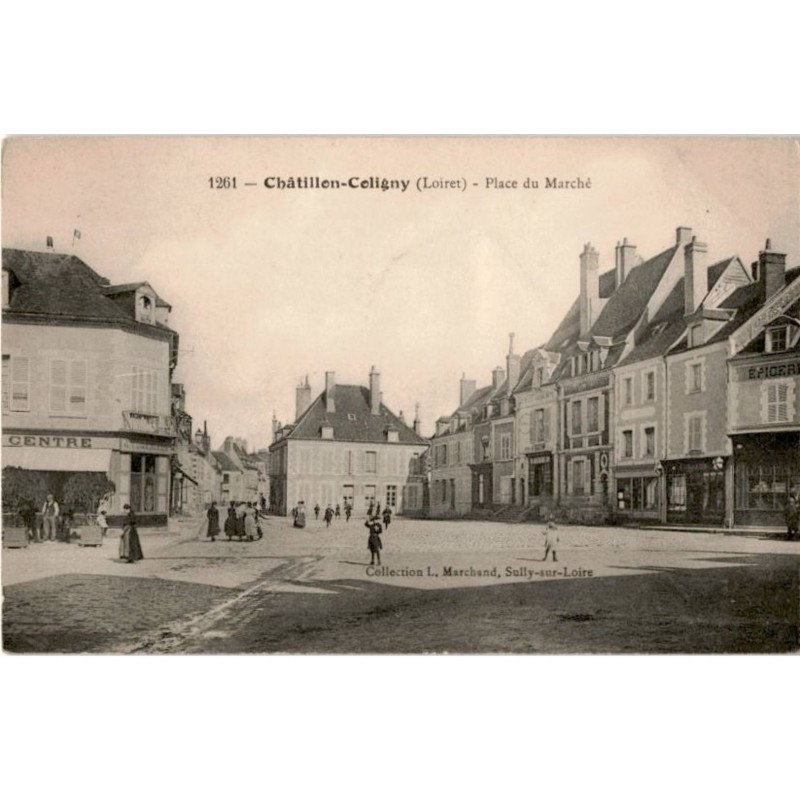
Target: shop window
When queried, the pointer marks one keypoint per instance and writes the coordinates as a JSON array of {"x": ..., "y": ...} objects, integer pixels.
[
  {"x": 592, "y": 414},
  {"x": 68, "y": 387},
  {"x": 765, "y": 487},
  {"x": 627, "y": 444},
  {"x": 777, "y": 401},
  {"x": 370, "y": 461},
  {"x": 143, "y": 483},
  {"x": 676, "y": 493},
  {"x": 20, "y": 383},
  {"x": 649, "y": 441}
]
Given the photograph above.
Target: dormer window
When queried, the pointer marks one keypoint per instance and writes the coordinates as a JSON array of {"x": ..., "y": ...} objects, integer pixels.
[
  {"x": 776, "y": 339},
  {"x": 327, "y": 431},
  {"x": 145, "y": 309},
  {"x": 392, "y": 435},
  {"x": 351, "y": 417}
]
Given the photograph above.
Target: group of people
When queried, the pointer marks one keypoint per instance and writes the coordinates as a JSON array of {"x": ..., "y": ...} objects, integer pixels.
[
  {"x": 55, "y": 524},
  {"x": 242, "y": 522}
]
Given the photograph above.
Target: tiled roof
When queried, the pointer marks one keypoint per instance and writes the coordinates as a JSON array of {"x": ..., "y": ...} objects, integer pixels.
[
  {"x": 626, "y": 305},
  {"x": 352, "y": 421},
  {"x": 225, "y": 461},
  {"x": 60, "y": 285}
]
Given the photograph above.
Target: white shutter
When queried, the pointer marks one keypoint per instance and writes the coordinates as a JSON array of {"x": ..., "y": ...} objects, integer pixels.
[
  {"x": 58, "y": 386},
  {"x": 77, "y": 387},
  {"x": 781, "y": 411},
  {"x": 20, "y": 383}
]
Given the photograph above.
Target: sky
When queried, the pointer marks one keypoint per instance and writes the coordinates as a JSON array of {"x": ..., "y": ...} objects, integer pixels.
[{"x": 268, "y": 286}]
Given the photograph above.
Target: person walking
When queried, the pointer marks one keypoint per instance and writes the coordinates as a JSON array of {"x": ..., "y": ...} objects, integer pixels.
[
  {"x": 328, "y": 516},
  {"x": 249, "y": 518},
  {"x": 50, "y": 515},
  {"x": 230, "y": 521},
  {"x": 792, "y": 519},
  {"x": 130, "y": 549},
  {"x": 213, "y": 521},
  {"x": 263, "y": 503},
  {"x": 374, "y": 543},
  {"x": 550, "y": 534},
  {"x": 316, "y": 511},
  {"x": 348, "y": 510},
  {"x": 378, "y": 511},
  {"x": 102, "y": 515},
  {"x": 27, "y": 514},
  {"x": 338, "y": 512},
  {"x": 387, "y": 517},
  {"x": 371, "y": 510}
]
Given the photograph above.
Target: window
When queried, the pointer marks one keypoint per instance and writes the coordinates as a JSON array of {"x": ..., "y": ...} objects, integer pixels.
[
  {"x": 20, "y": 383},
  {"x": 592, "y": 414},
  {"x": 577, "y": 417},
  {"x": 694, "y": 377},
  {"x": 369, "y": 495},
  {"x": 505, "y": 446},
  {"x": 578, "y": 477},
  {"x": 351, "y": 417},
  {"x": 695, "y": 433},
  {"x": 650, "y": 386},
  {"x": 776, "y": 397},
  {"x": 391, "y": 496},
  {"x": 627, "y": 444},
  {"x": 765, "y": 486},
  {"x": 676, "y": 493},
  {"x": 458, "y": 453},
  {"x": 143, "y": 482},
  {"x": 539, "y": 376},
  {"x": 145, "y": 393},
  {"x": 370, "y": 461},
  {"x": 776, "y": 339},
  {"x": 146, "y": 306},
  {"x": 627, "y": 391},
  {"x": 637, "y": 494},
  {"x": 649, "y": 441},
  {"x": 68, "y": 387},
  {"x": 537, "y": 430}
]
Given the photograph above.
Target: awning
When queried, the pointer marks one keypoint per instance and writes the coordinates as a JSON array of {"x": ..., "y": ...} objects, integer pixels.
[
  {"x": 176, "y": 468},
  {"x": 58, "y": 459}
]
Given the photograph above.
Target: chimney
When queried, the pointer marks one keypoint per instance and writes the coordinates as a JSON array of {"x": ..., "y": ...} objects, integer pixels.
[
  {"x": 330, "y": 391},
  {"x": 402, "y": 417},
  {"x": 498, "y": 376},
  {"x": 590, "y": 287},
  {"x": 302, "y": 396},
  {"x": 417, "y": 423},
  {"x": 695, "y": 275},
  {"x": 512, "y": 364},
  {"x": 771, "y": 270},
  {"x": 624, "y": 260},
  {"x": 683, "y": 235},
  {"x": 49, "y": 242},
  {"x": 374, "y": 391},
  {"x": 467, "y": 388}
]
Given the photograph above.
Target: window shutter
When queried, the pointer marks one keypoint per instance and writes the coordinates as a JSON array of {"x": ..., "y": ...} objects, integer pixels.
[
  {"x": 77, "y": 387},
  {"x": 546, "y": 424},
  {"x": 58, "y": 386},
  {"x": 782, "y": 403},
  {"x": 20, "y": 383}
]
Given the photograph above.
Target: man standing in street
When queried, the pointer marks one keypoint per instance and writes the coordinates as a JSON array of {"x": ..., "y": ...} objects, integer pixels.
[{"x": 50, "y": 515}]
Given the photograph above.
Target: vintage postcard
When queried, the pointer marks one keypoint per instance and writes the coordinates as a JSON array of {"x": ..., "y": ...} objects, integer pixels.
[{"x": 400, "y": 395}]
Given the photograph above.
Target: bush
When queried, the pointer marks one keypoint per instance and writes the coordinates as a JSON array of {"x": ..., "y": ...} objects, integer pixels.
[
  {"x": 83, "y": 491},
  {"x": 21, "y": 485}
]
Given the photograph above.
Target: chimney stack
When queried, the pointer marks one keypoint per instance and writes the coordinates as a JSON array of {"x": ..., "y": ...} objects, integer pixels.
[
  {"x": 302, "y": 398},
  {"x": 374, "y": 391},
  {"x": 695, "y": 275},
  {"x": 590, "y": 287},
  {"x": 512, "y": 364},
  {"x": 467, "y": 389},
  {"x": 683, "y": 235},
  {"x": 330, "y": 391},
  {"x": 49, "y": 242},
  {"x": 624, "y": 260},
  {"x": 417, "y": 423},
  {"x": 498, "y": 376},
  {"x": 771, "y": 271}
]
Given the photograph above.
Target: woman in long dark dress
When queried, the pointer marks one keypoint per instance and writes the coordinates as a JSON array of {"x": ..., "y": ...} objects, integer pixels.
[
  {"x": 231, "y": 521},
  {"x": 130, "y": 549},
  {"x": 213, "y": 522}
]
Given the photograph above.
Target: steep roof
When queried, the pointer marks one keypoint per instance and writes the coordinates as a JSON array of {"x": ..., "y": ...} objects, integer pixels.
[
  {"x": 352, "y": 421},
  {"x": 60, "y": 285},
  {"x": 225, "y": 461}
]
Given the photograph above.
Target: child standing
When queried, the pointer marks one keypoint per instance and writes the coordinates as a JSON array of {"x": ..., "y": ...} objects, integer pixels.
[
  {"x": 374, "y": 543},
  {"x": 550, "y": 534}
]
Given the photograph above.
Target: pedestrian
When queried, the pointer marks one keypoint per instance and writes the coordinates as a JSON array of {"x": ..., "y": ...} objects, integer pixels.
[
  {"x": 66, "y": 525},
  {"x": 374, "y": 543},
  {"x": 328, "y": 516},
  {"x": 387, "y": 517},
  {"x": 550, "y": 534},
  {"x": 378, "y": 511},
  {"x": 130, "y": 549},
  {"x": 300, "y": 517},
  {"x": 27, "y": 514},
  {"x": 249, "y": 518},
  {"x": 348, "y": 510},
  {"x": 338, "y": 512},
  {"x": 371, "y": 510},
  {"x": 263, "y": 503},
  {"x": 241, "y": 512},
  {"x": 316, "y": 511},
  {"x": 50, "y": 515},
  {"x": 792, "y": 519},
  {"x": 230, "y": 521},
  {"x": 213, "y": 521},
  {"x": 102, "y": 514},
  {"x": 294, "y": 513}
]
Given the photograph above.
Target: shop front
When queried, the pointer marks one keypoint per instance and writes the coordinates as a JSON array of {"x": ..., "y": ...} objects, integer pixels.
[
  {"x": 696, "y": 490},
  {"x": 482, "y": 485},
  {"x": 637, "y": 492},
  {"x": 766, "y": 473},
  {"x": 540, "y": 478}
]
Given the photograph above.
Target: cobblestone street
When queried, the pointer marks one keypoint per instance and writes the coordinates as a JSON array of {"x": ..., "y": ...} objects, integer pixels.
[{"x": 443, "y": 586}]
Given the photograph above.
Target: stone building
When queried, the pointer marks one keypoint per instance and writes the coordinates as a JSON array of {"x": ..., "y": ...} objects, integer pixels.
[
  {"x": 345, "y": 446},
  {"x": 87, "y": 370}
]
